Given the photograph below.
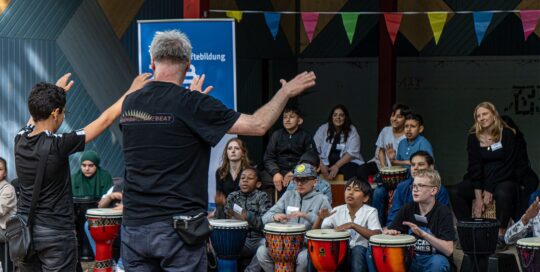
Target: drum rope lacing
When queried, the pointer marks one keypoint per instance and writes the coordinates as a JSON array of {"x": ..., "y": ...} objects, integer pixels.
[{"x": 530, "y": 260}]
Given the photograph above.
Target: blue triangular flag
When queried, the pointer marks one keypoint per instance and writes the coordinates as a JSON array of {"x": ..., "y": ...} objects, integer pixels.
[
  {"x": 272, "y": 21},
  {"x": 482, "y": 20}
]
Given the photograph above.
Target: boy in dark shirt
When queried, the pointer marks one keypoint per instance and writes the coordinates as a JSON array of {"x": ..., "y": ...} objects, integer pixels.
[
  {"x": 285, "y": 147},
  {"x": 54, "y": 221},
  {"x": 429, "y": 221},
  {"x": 249, "y": 204}
]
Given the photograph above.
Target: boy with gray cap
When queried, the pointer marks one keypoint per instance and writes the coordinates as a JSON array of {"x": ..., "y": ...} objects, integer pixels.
[{"x": 300, "y": 206}]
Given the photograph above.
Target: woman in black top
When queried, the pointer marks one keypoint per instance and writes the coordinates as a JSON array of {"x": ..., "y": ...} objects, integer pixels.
[
  {"x": 525, "y": 175},
  {"x": 491, "y": 149},
  {"x": 233, "y": 161}
]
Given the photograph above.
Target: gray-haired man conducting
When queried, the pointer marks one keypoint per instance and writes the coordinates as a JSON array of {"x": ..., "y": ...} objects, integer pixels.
[{"x": 167, "y": 135}]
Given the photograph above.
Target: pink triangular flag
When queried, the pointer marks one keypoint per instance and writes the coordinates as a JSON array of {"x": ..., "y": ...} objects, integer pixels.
[
  {"x": 310, "y": 22},
  {"x": 529, "y": 19},
  {"x": 393, "y": 21}
]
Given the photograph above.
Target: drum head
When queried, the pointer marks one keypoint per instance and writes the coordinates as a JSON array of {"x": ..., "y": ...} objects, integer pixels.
[
  {"x": 228, "y": 223},
  {"x": 392, "y": 240},
  {"x": 529, "y": 242},
  {"x": 284, "y": 228},
  {"x": 393, "y": 169},
  {"x": 478, "y": 223},
  {"x": 104, "y": 212},
  {"x": 327, "y": 235}
]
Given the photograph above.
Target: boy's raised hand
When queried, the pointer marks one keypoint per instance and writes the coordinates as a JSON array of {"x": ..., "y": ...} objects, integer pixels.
[
  {"x": 139, "y": 82},
  {"x": 531, "y": 212},
  {"x": 64, "y": 82},
  {"x": 390, "y": 151},
  {"x": 324, "y": 213}
]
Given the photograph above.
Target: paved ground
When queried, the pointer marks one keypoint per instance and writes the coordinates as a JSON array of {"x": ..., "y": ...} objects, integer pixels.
[{"x": 458, "y": 257}]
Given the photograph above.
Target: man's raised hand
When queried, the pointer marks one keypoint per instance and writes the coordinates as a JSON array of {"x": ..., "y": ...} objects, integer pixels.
[
  {"x": 197, "y": 84},
  {"x": 298, "y": 84}
]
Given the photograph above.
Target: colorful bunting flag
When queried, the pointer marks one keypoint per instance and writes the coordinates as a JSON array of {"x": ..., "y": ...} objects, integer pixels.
[
  {"x": 529, "y": 19},
  {"x": 482, "y": 20},
  {"x": 437, "y": 20},
  {"x": 310, "y": 22},
  {"x": 237, "y": 15},
  {"x": 349, "y": 20},
  {"x": 272, "y": 21},
  {"x": 393, "y": 21}
]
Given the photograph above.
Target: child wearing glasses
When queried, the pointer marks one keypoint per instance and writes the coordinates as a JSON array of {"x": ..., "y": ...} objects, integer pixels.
[
  {"x": 429, "y": 221},
  {"x": 403, "y": 194},
  {"x": 300, "y": 206}
]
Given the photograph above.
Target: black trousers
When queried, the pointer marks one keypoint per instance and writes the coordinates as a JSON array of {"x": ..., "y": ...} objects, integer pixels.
[
  {"x": 506, "y": 195},
  {"x": 56, "y": 250}
]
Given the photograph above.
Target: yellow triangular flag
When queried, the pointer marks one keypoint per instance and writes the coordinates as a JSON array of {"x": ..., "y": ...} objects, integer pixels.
[
  {"x": 437, "y": 21},
  {"x": 237, "y": 15}
]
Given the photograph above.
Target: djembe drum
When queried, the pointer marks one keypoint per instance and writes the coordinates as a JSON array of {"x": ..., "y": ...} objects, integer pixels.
[
  {"x": 392, "y": 253},
  {"x": 391, "y": 176},
  {"x": 81, "y": 205},
  {"x": 228, "y": 237},
  {"x": 529, "y": 254},
  {"x": 104, "y": 226},
  {"x": 327, "y": 248},
  {"x": 478, "y": 239},
  {"x": 284, "y": 242}
]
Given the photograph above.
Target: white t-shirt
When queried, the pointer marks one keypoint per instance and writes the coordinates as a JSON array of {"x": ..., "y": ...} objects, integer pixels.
[
  {"x": 387, "y": 137},
  {"x": 366, "y": 217}
]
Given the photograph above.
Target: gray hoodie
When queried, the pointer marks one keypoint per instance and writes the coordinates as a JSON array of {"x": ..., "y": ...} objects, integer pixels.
[{"x": 310, "y": 204}]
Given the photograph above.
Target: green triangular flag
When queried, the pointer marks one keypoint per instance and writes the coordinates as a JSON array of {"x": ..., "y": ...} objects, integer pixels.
[{"x": 349, "y": 23}]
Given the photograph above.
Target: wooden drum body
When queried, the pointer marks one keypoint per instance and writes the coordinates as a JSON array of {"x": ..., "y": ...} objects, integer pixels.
[
  {"x": 284, "y": 242},
  {"x": 327, "y": 248},
  {"x": 392, "y": 253},
  {"x": 104, "y": 226}
]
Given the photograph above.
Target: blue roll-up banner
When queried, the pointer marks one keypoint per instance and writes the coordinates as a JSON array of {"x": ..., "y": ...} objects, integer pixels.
[{"x": 213, "y": 54}]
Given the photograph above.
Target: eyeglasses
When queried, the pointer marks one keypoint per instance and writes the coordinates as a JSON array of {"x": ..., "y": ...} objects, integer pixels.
[
  {"x": 303, "y": 180},
  {"x": 415, "y": 187}
]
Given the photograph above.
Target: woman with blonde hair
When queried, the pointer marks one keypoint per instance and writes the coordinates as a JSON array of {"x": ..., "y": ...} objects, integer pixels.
[
  {"x": 490, "y": 172},
  {"x": 233, "y": 161}
]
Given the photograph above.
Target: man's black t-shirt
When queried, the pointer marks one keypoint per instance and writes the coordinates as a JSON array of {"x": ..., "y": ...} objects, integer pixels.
[
  {"x": 167, "y": 133},
  {"x": 55, "y": 205},
  {"x": 439, "y": 224}
]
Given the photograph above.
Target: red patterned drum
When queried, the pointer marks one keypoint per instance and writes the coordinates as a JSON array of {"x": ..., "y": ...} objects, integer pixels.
[
  {"x": 392, "y": 253},
  {"x": 327, "y": 248},
  {"x": 529, "y": 254},
  {"x": 391, "y": 176},
  {"x": 284, "y": 242},
  {"x": 104, "y": 225}
]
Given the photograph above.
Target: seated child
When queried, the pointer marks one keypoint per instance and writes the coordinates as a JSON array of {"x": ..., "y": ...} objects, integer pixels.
[
  {"x": 322, "y": 186},
  {"x": 403, "y": 193},
  {"x": 249, "y": 204},
  {"x": 529, "y": 223},
  {"x": 300, "y": 206},
  {"x": 390, "y": 136},
  {"x": 285, "y": 147},
  {"x": 356, "y": 217},
  {"x": 429, "y": 221},
  {"x": 412, "y": 143}
]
